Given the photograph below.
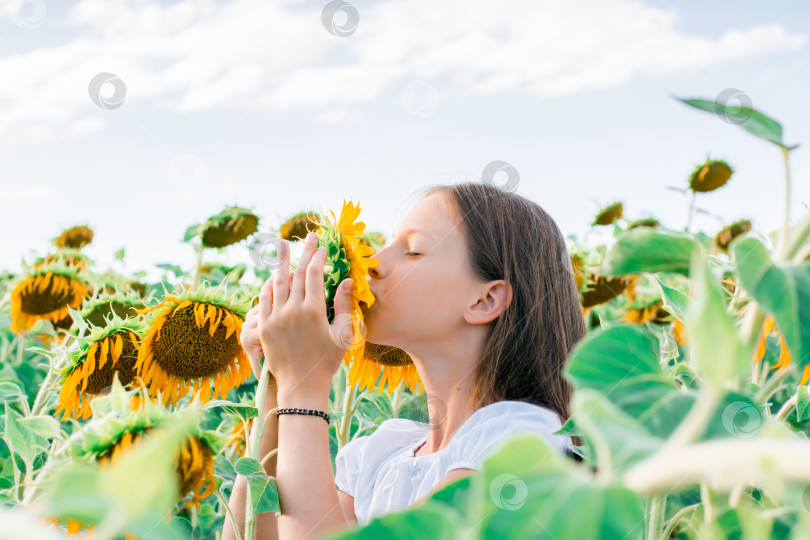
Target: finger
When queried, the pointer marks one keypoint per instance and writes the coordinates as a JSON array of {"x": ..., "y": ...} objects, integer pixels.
[
  {"x": 314, "y": 278},
  {"x": 297, "y": 289},
  {"x": 345, "y": 319},
  {"x": 281, "y": 277},
  {"x": 265, "y": 301}
]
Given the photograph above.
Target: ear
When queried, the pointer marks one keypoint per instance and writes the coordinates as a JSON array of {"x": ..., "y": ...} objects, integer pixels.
[{"x": 495, "y": 297}]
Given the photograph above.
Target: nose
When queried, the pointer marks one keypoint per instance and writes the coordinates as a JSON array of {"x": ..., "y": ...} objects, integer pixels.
[{"x": 377, "y": 271}]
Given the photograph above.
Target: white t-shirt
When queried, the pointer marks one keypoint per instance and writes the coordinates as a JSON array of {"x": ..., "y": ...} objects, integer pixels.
[{"x": 382, "y": 474}]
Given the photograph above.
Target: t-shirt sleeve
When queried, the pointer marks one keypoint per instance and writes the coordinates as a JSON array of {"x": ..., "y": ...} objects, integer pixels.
[
  {"x": 487, "y": 436},
  {"x": 348, "y": 465}
]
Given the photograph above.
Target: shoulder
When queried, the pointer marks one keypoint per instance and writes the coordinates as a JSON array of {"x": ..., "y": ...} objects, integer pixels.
[{"x": 490, "y": 426}]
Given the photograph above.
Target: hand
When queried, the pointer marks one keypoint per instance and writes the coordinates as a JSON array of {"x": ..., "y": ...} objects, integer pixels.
[{"x": 302, "y": 349}]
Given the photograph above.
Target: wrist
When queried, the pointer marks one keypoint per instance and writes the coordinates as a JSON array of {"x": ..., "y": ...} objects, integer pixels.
[{"x": 303, "y": 398}]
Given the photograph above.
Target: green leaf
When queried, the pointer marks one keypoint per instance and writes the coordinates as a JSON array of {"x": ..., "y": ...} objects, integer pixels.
[
  {"x": 191, "y": 232},
  {"x": 244, "y": 410},
  {"x": 11, "y": 392},
  {"x": 622, "y": 362},
  {"x": 751, "y": 120},
  {"x": 527, "y": 490},
  {"x": 19, "y": 438},
  {"x": 716, "y": 351},
  {"x": 802, "y": 404},
  {"x": 782, "y": 291},
  {"x": 422, "y": 523},
  {"x": 675, "y": 302},
  {"x": 649, "y": 250},
  {"x": 263, "y": 488},
  {"x": 619, "y": 440}
]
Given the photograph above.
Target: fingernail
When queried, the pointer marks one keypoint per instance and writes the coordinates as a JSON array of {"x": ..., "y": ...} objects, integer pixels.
[
  {"x": 311, "y": 236},
  {"x": 283, "y": 248}
]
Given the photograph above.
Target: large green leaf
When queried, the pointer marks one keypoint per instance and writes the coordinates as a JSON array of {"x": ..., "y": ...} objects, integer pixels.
[
  {"x": 426, "y": 523},
  {"x": 649, "y": 250},
  {"x": 749, "y": 119},
  {"x": 716, "y": 350},
  {"x": 621, "y": 362},
  {"x": 263, "y": 488},
  {"x": 783, "y": 291},
  {"x": 675, "y": 302},
  {"x": 529, "y": 491}
]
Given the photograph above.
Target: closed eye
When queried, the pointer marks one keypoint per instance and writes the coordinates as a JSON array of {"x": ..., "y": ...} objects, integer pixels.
[{"x": 411, "y": 253}]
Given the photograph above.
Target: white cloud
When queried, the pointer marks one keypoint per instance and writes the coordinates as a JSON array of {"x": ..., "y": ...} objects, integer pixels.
[{"x": 275, "y": 56}]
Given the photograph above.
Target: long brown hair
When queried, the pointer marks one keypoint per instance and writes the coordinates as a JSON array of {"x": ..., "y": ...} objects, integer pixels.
[{"x": 512, "y": 238}]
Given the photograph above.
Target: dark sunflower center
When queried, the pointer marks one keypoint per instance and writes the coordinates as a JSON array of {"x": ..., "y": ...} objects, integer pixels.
[
  {"x": 34, "y": 302},
  {"x": 386, "y": 355},
  {"x": 230, "y": 232},
  {"x": 190, "y": 351},
  {"x": 96, "y": 317},
  {"x": 101, "y": 380}
]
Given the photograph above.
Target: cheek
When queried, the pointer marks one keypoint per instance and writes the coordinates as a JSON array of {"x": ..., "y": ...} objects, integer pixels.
[{"x": 426, "y": 300}]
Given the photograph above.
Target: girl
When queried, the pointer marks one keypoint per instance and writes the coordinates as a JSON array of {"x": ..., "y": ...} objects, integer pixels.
[{"x": 477, "y": 287}]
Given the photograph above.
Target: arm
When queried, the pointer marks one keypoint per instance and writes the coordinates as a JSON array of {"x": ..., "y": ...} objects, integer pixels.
[
  {"x": 449, "y": 478},
  {"x": 310, "y": 506},
  {"x": 266, "y": 522}
]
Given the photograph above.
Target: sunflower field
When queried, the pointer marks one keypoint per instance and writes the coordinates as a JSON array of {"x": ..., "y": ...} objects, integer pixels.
[{"x": 126, "y": 404}]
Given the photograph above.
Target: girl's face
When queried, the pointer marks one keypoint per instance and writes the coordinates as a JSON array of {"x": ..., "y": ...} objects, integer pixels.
[{"x": 423, "y": 284}]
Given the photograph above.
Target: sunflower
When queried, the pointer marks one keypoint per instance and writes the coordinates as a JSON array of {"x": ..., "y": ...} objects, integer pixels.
[
  {"x": 193, "y": 340},
  {"x": 112, "y": 282},
  {"x": 600, "y": 289},
  {"x": 784, "y": 354},
  {"x": 609, "y": 214},
  {"x": 711, "y": 175},
  {"x": 644, "y": 222},
  {"x": 297, "y": 227},
  {"x": 75, "y": 237},
  {"x": 347, "y": 257},
  {"x": 230, "y": 226},
  {"x": 578, "y": 270},
  {"x": 70, "y": 256},
  {"x": 722, "y": 240},
  {"x": 116, "y": 428},
  {"x": 650, "y": 313},
  {"x": 91, "y": 369},
  {"x": 97, "y": 310},
  {"x": 46, "y": 293}
]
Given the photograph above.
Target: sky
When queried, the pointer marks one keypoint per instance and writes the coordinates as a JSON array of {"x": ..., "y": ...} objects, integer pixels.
[{"x": 297, "y": 105}]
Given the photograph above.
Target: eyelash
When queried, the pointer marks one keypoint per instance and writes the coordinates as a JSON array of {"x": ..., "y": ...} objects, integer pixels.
[{"x": 412, "y": 253}]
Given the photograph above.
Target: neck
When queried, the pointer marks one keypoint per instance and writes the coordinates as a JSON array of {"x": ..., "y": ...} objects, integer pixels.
[{"x": 447, "y": 372}]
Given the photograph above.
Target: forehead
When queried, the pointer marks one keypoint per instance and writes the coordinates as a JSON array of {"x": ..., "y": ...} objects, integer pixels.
[{"x": 433, "y": 215}]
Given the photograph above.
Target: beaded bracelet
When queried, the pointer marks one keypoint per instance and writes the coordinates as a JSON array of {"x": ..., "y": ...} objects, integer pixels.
[{"x": 311, "y": 412}]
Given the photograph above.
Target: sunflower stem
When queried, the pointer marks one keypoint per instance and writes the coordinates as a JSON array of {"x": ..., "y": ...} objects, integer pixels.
[
  {"x": 44, "y": 390},
  {"x": 691, "y": 212},
  {"x": 396, "y": 399},
  {"x": 254, "y": 438},
  {"x": 673, "y": 521},
  {"x": 20, "y": 348},
  {"x": 198, "y": 265},
  {"x": 345, "y": 427},
  {"x": 785, "y": 153},
  {"x": 655, "y": 518}
]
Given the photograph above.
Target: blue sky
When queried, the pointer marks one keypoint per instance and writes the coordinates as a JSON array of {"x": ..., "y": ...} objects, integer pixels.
[{"x": 255, "y": 103}]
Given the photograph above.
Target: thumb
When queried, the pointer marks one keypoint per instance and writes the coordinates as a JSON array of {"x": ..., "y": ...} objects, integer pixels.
[{"x": 345, "y": 319}]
